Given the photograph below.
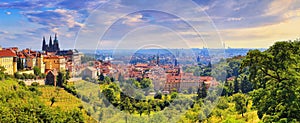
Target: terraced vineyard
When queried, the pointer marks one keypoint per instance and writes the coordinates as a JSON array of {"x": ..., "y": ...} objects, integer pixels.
[{"x": 63, "y": 100}]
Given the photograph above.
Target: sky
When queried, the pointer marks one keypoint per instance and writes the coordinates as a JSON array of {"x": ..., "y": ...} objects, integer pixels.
[{"x": 134, "y": 24}]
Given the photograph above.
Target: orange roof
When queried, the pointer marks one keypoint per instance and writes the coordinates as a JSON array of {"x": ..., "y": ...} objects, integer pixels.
[
  {"x": 54, "y": 57},
  {"x": 7, "y": 53},
  {"x": 141, "y": 65},
  {"x": 206, "y": 78},
  {"x": 21, "y": 55}
]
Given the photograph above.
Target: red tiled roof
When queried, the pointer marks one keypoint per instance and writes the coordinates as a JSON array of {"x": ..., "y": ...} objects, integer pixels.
[
  {"x": 7, "y": 53},
  {"x": 54, "y": 57},
  {"x": 206, "y": 78},
  {"x": 21, "y": 55}
]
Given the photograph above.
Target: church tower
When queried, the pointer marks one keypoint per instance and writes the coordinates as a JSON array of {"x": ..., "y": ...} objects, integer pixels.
[
  {"x": 56, "y": 44},
  {"x": 157, "y": 59},
  {"x": 44, "y": 47},
  {"x": 50, "y": 49}
]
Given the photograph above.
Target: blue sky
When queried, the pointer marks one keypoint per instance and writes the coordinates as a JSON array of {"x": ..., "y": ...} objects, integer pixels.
[{"x": 130, "y": 23}]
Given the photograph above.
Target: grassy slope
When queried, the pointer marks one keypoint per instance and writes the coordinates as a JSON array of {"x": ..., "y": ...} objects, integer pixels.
[{"x": 64, "y": 100}]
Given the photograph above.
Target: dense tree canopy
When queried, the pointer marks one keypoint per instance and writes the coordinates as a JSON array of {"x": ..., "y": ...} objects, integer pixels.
[{"x": 275, "y": 77}]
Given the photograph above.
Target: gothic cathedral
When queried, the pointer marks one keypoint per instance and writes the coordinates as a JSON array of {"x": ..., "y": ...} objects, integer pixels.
[{"x": 51, "y": 47}]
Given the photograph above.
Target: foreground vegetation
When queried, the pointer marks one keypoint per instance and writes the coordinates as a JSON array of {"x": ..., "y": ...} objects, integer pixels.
[{"x": 19, "y": 103}]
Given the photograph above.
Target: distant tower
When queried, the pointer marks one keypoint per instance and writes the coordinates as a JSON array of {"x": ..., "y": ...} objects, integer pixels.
[
  {"x": 56, "y": 44},
  {"x": 198, "y": 59},
  {"x": 50, "y": 45},
  {"x": 157, "y": 59},
  {"x": 44, "y": 47},
  {"x": 176, "y": 62}
]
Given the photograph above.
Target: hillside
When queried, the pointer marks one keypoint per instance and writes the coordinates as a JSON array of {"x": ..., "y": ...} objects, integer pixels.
[{"x": 19, "y": 103}]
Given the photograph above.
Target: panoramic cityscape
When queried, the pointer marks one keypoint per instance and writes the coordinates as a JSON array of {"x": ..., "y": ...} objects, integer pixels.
[{"x": 139, "y": 61}]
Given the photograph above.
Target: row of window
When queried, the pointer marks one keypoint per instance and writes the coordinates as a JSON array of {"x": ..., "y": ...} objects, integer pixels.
[{"x": 7, "y": 60}]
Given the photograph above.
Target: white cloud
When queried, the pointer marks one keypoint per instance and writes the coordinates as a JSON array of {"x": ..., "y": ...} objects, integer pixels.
[
  {"x": 131, "y": 20},
  {"x": 235, "y": 19},
  {"x": 8, "y": 13}
]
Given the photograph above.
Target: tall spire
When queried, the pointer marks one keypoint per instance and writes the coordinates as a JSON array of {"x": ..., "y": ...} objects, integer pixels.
[
  {"x": 176, "y": 62},
  {"x": 55, "y": 38},
  {"x": 44, "y": 44},
  {"x": 157, "y": 58},
  {"x": 50, "y": 44},
  {"x": 56, "y": 45}
]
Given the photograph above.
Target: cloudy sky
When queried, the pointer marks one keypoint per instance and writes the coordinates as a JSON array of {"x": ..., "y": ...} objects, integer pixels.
[{"x": 89, "y": 24}]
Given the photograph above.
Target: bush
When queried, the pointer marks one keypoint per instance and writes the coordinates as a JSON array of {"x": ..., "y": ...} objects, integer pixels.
[
  {"x": 18, "y": 75},
  {"x": 42, "y": 75},
  {"x": 32, "y": 76},
  {"x": 22, "y": 83},
  {"x": 35, "y": 84},
  {"x": 26, "y": 76},
  {"x": 158, "y": 95}
]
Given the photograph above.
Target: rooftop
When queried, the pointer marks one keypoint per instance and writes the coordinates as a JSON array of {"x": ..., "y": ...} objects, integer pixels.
[{"x": 7, "y": 53}]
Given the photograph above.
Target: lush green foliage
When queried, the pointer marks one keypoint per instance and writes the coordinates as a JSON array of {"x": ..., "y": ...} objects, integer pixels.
[
  {"x": 19, "y": 103},
  {"x": 275, "y": 75}
]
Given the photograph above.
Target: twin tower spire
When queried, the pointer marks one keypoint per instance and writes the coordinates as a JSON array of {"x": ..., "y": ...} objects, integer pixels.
[{"x": 51, "y": 47}]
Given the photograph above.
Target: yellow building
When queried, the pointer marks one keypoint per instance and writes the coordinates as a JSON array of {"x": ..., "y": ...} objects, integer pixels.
[
  {"x": 40, "y": 63},
  {"x": 8, "y": 59},
  {"x": 55, "y": 62}
]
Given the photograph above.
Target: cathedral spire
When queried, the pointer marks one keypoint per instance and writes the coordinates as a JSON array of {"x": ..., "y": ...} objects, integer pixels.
[
  {"x": 157, "y": 58},
  {"x": 176, "y": 62},
  {"x": 56, "y": 45},
  {"x": 55, "y": 38},
  {"x": 50, "y": 44},
  {"x": 44, "y": 44}
]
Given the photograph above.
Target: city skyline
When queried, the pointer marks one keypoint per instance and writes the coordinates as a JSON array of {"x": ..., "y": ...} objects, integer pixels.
[{"x": 24, "y": 23}]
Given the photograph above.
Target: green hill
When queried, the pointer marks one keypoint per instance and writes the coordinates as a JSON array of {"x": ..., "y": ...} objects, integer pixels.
[{"x": 20, "y": 103}]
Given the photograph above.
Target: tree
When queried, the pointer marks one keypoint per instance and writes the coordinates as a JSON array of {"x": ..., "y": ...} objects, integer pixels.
[
  {"x": 223, "y": 104},
  {"x": 246, "y": 86},
  {"x": 127, "y": 106},
  {"x": 36, "y": 70},
  {"x": 140, "y": 107},
  {"x": 158, "y": 95},
  {"x": 42, "y": 75},
  {"x": 174, "y": 95},
  {"x": 68, "y": 75},
  {"x": 20, "y": 65},
  {"x": 2, "y": 75},
  {"x": 236, "y": 85},
  {"x": 26, "y": 76},
  {"x": 101, "y": 77},
  {"x": 53, "y": 100},
  {"x": 202, "y": 93},
  {"x": 18, "y": 75},
  {"x": 61, "y": 79},
  {"x": 274, "y": 74},
  {"x": 107, "y": 80},
  {"x": 145, "y": 83},
  {"x": 240, "y": 102},
  {"x": 149, "y": 107},
  {"x": 112, "y": 79},
  {"x": 109, "y": 93}
]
